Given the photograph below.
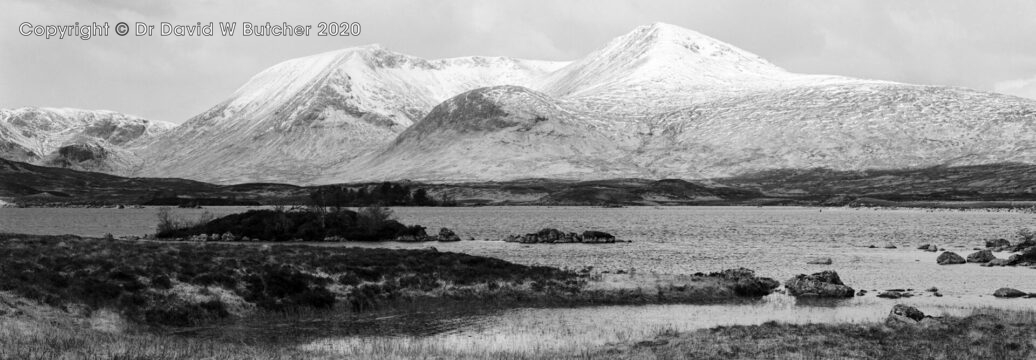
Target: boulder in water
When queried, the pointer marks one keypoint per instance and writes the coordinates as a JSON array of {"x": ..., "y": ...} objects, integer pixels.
[
  {"x": 825, "y": 284},
  {"x": 447, "y": 235},
  {"x": 1008, "y": 293},
  {"x": 928, "y": 247},
  {"x": 820, "y": 261},
  {"x": 950, "y": 258},
  {"x": 981, "y": 256},
  {"x": 1027, "y": 256},
  {"x": 997, "y": 243}
]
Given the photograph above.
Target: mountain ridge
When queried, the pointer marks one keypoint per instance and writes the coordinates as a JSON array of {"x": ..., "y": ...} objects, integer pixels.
[
  {"x": 658, "y": 102},
  {"x": 75, "y": 138}
]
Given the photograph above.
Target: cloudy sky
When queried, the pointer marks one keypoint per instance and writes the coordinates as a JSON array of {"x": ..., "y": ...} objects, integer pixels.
[{"x": 988, "y": 45}]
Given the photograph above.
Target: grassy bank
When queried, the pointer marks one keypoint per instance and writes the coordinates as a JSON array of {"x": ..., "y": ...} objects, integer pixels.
[
  {"x": 175, "y": 284},
  {"x": 103, "y": 298},
  {"x": 187, "y": 284},
  {"x": 69, "y": 297},
  {"x": 986, "y": 334}
]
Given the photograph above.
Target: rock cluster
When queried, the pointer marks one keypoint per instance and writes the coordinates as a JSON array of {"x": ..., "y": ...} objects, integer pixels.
[
  {"x": 895, "y": 294},
  {"x": 551, "y": 236},
  {"x": 825, "y": 284},
  {"x": 1021, "y": 246},
  {"x": 225, "y": 237},
  {"x": 1027, "y": 257},
  {"x": 419, "y": 235}
]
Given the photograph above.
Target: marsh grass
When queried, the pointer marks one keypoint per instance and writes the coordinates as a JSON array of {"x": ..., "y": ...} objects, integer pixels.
[
  {"x": 177, "y": 284},
  {"x": 43, "y": 340},
  {"x": 984, "y": 334}
]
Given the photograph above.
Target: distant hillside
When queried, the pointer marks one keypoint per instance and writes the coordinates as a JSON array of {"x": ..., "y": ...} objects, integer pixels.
[
  {"x": 1008, "y": 181},
  {"x": 36, "y": 185},
  {"x": 30, "y": 184}
]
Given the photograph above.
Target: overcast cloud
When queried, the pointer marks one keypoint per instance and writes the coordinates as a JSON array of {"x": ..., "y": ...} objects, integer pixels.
[{"x": 987, "y": 45}]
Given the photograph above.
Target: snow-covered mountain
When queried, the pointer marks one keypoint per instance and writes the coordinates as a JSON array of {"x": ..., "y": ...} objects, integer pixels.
[
  {"x": 659, "y": 102},
  {"x": 94, "y": 140},
  {"x": 302, "y": 118}
]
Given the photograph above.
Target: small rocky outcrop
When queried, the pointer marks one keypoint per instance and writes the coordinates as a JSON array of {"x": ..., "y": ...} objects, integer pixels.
[
  {"x": 997, "y": 262},
  {"x": 904, "y": 315},
  {"x": 928, "y": 247},
  {"x": 895, "y": 294},
  {"x": 447, "y": 235},
  {"x": 820, "y": 261},
  {"x": 890, "y": 246},
  {"x": 1027, "y": 257},
  {"x": 555, "y": 236},
  {"x": 1022, "y": 246},
  {"x": 1008, "y": 293},
  {"x": 981, "y": 256},
  {"x": 997, "y": 243},
  {"x": 746, "y": 284},
  {"x": 825, "y": 284},
  {"x": 950, "y": 258},
  {"x": 417, "y": 233}
]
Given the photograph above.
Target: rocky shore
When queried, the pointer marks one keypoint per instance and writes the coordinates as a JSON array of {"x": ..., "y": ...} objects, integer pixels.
[{"x": 1023, "y": 253}]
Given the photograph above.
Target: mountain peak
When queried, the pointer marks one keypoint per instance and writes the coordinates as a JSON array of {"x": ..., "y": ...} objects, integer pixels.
[
  {"x": 670, "y": 40},
  {"x": 661, "y": 53},
  {"x": 661, "y": 30}
]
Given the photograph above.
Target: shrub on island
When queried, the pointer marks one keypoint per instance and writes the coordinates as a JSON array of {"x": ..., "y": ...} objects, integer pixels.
[
  {"x": 550, "y": 236},
  {"x": 367, "y": 224}
]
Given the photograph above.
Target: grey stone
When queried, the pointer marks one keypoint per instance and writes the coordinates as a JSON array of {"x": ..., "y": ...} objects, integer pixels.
[
  {"x": 1008, "y": 293},
  {"x": 950, "y": 258},
  {"x": 982, "y": 256},
  {"x": 825, "y": 284}
]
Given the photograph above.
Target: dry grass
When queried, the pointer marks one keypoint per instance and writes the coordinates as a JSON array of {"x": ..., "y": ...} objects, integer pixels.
[
  {"x": 33, "y": 331},
  {"x": 986, "y": 334}
]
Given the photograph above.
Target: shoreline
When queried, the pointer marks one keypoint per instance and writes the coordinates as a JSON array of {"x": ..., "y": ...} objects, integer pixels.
[{"x": 111, "y": 328}]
